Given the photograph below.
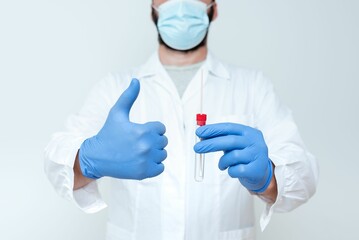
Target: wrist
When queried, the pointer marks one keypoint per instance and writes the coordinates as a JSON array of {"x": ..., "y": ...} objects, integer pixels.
[
  {"x": 85, "y": 157},
  {"x": 267, "y": 178},
  {"x": 270, "y": 194},
  {"x": 79, "y": 179}
]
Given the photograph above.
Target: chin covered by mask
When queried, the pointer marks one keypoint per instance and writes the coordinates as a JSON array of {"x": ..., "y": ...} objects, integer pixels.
[{"x": 183, "y": 24}]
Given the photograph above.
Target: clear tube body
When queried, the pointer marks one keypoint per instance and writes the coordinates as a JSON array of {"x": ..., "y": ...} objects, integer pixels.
[{"x": 199, "y": 164}]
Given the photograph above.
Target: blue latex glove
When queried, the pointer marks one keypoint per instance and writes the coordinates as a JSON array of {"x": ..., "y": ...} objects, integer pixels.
[
  {"x": 245, "y": 153},
  {"x": 123, "y": 149}
]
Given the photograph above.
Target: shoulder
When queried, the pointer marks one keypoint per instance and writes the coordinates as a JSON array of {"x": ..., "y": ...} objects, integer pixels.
[
  {"x": 235, "y": 73},
  {"x": 245, "y": 78},
  {"x": 124, "y": 78},
  {"x": 117, "y": 80},
  {"x": 242, "y": 73}
]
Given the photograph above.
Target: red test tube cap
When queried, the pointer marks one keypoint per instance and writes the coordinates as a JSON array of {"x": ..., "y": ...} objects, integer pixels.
[{"x": 201, "y": 119}]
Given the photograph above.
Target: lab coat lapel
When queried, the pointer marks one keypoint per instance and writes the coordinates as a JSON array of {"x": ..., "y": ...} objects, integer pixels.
[{"x": 155, "y": 71}]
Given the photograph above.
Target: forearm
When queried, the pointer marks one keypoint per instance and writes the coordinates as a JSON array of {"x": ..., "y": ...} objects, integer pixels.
[{"x": 79, "y": 179}]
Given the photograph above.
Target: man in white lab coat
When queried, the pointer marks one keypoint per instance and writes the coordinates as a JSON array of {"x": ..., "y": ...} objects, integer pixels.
[{"x": 142, "y": 133}]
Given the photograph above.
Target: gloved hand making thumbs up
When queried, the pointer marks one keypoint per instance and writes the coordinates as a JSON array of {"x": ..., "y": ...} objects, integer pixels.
[{"x": 123, "y": 149}]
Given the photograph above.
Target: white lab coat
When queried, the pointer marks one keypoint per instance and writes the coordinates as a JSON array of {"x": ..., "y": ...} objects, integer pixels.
[{"x": 172, "y": 205}]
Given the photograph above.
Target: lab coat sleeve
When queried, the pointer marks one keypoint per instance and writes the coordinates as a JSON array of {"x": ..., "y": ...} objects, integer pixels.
[
  {"x": 296, "y": 169},
  {"x": 61, "y": 151}
]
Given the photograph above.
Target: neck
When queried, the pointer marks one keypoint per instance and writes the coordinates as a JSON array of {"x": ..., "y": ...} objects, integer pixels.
[{"x": 178, "y": 58}]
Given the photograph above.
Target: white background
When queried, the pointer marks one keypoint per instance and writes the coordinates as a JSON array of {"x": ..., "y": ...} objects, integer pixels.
[{"x": 52, "y": 52}]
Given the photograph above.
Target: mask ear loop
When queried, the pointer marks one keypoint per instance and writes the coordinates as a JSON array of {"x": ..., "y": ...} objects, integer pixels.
[
  {"x": 155, "y": 7},
  {"x": 210, "y": 5}
]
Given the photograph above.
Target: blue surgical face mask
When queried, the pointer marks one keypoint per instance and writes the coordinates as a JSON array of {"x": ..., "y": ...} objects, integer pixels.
[{"x": 183, "y": 24}]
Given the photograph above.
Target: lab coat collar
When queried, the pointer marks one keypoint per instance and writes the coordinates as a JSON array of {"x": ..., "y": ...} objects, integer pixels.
[
  {"x": 153, "y": 66},
  {"x": 216, "y": 68}
]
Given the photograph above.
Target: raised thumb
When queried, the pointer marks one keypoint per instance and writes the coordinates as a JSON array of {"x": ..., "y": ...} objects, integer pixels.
[{"x": 126, "y": 100}]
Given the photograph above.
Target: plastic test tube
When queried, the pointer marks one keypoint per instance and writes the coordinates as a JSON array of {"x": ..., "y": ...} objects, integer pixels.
[{"x": 199, "y": 158}]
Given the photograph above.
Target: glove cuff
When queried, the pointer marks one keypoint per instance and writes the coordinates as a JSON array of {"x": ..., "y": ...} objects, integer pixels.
[{"x": 269, "y": 178}]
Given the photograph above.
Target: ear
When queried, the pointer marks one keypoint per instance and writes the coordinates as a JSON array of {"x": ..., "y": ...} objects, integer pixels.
[{"x": 215, "y": 12}]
